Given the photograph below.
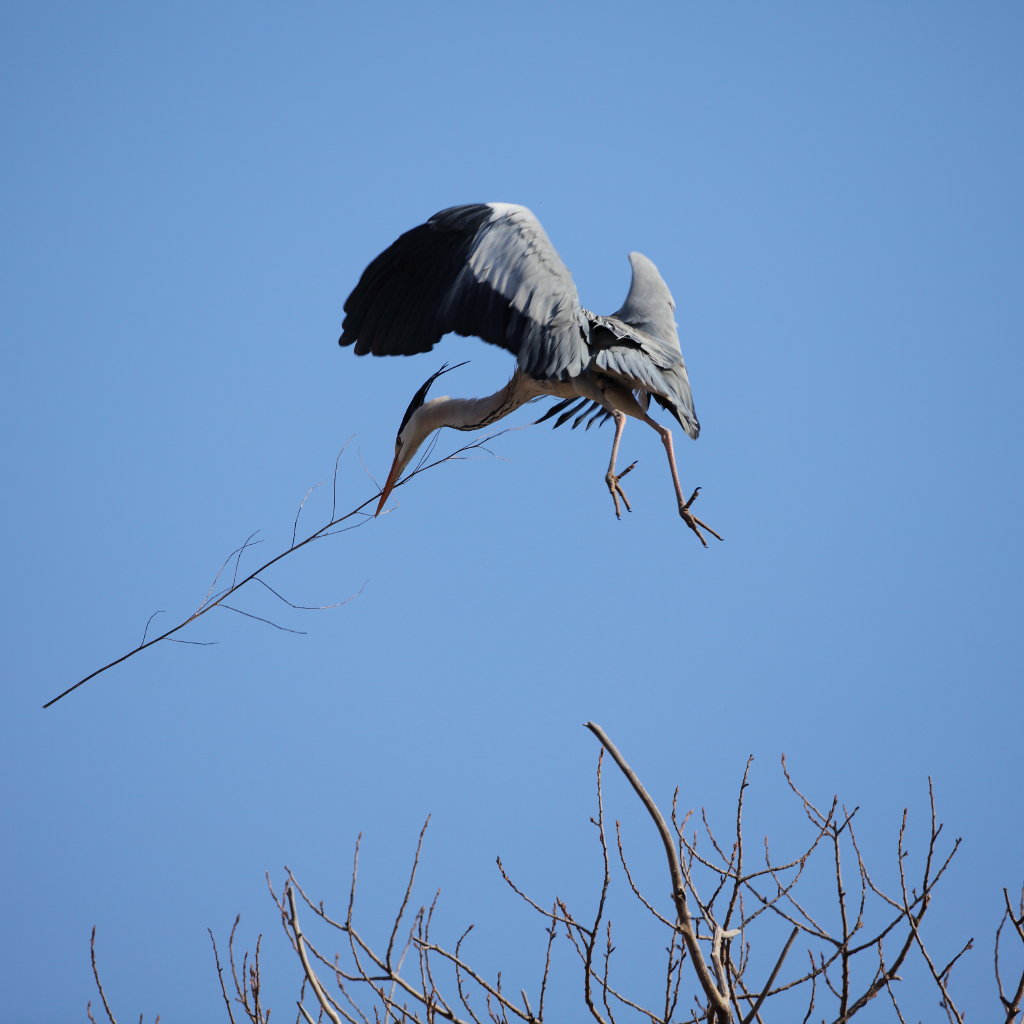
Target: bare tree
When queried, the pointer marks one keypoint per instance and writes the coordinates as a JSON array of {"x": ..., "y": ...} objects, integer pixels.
[{"x": 740, "y": 936}]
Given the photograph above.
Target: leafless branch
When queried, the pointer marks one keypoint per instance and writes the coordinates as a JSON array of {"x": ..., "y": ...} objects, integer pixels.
[
  {"x": 96, "y": 976},
  {"x": 718, "y": 1000},
  {"x": 408, "y": 892},
  {"x": 1011, "y": 1004},
  {"x": 300, "y": 948},
  {"x": 752, "y": 1015},
  {"x": 259, "y": 618},
  {"x": 220, "y": 970},
  {"x": 215, "y": 598},
  {"x": 402, "y": 974},
  {"x": 591, "y": 939}
]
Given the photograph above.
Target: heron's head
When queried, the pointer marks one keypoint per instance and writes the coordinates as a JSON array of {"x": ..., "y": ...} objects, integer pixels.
[{"x": 419, "y": 422}]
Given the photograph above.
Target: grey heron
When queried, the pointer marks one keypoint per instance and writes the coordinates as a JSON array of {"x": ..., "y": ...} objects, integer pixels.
[{"x": 488, "y": 270}]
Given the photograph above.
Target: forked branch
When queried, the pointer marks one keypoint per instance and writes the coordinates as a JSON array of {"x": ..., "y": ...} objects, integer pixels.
[
  {"x": 215, "y": 597},
  {"x": 1014, "y": 917},
  {"x": 718, "y": 999},
  {"x": 735, "y": 925}
]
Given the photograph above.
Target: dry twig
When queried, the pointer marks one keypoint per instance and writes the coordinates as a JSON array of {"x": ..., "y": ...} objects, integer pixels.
[{"x": 215, "y": 598}]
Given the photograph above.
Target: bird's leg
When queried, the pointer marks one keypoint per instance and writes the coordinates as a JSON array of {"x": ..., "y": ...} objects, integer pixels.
[
  {"x": 688, "y": 517},
  {"x": 611, "y": 478}
]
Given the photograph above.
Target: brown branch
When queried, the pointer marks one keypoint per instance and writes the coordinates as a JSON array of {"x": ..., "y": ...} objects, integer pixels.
[
  {"x": 1012, "y": 1006},
  {"x": 220, "y": 971},
  {"x": 844, "y": 962},
  {"x": 314, "y": 981},
  {"x": 388, "y": 975},
  {"x": 210, "y": 601},
  {"x": 96, "y": 975},
  {"x": 552, "y": 933},
  {"x": 408, "y": 892},
  {"x": 718, "y": 1000},
  {"x": 751, "y": 1016},
  {"x": 605, "y": 882},
  {"x": 240, "y": 987},
  {"x": 551, "y": 915},
  {"x": 888, "y": 978},
  {"x": 494, "y": 991},
  {"x": 1016, "y": 921},
  {"x": 463, "y": 996},
  {"x": 673, "y": 970},
  {"x": 738, "y": 846},
  {"x": 636, "y": 890},
  {"x": 910, "y": 910},
  {"x": 814, "y": 993}
]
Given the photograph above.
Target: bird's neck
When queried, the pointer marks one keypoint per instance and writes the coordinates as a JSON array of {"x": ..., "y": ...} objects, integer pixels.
[{"x": 475, "y": 413}]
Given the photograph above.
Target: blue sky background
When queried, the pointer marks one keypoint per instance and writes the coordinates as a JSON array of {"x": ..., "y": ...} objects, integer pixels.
[{"x": 833, "y": 193}]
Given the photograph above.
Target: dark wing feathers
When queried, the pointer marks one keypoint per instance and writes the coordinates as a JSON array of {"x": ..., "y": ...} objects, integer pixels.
[
  {"x": 394, "y": 308},
  {"x": 569, "y": 407},
  {"x": 558, "y": 407},
  {"x": 487, "y": 270}
]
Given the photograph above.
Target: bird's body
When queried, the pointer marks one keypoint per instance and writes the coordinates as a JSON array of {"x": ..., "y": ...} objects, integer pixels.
[{"x": 488, "y": 270}]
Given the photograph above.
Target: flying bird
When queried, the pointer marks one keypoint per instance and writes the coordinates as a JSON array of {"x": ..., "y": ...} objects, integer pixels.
[{"x": 488, "y": 270}]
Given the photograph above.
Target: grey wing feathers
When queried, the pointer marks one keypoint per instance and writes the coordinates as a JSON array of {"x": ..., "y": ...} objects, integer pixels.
[
  {"x": 640, "y": 344},
  {"x": 486, "y": 270},
  {"x": 649, "y": 306}
]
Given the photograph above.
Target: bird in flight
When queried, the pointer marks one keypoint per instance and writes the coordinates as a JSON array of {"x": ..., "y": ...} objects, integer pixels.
[{"x": 488, "y": 270}]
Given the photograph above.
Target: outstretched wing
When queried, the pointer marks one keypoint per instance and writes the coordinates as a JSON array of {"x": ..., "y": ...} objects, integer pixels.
[
  {"x": 486, "y": 270},
  {"x": 640, "y": 344}
]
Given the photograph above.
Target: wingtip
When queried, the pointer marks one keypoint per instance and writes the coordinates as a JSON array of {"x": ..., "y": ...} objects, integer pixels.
[{"x": 638, "y": 257}]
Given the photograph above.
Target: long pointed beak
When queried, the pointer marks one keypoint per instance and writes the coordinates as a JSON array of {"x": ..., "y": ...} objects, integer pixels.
[{"x": 389, "y": 485}]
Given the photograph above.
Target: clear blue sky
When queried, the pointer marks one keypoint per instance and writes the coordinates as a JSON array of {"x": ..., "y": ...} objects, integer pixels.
[{"x": 189, "y": 192}]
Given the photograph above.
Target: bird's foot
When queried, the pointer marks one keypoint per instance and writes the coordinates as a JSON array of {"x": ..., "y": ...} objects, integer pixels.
[
  {"x": 616, "y": 491},
  {"x": 693, "y": 522}
]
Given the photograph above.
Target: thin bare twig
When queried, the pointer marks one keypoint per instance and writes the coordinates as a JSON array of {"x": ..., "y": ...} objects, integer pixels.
[
  {"x": 96, "y": 975},
  {"x": 408, "y": 892},
  {"x": 215, "y": 600},
  {"x": 220, "y": 970},
  {"x": 752, "y": 1015},
  {"x": 259, "y": 618},
  {"x": 1011, "y": 1004},
  {"x": 591, "y": 939}
]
